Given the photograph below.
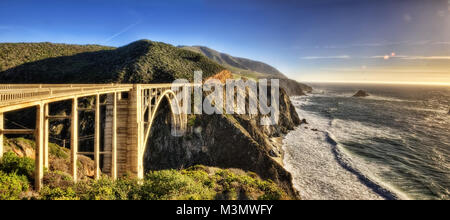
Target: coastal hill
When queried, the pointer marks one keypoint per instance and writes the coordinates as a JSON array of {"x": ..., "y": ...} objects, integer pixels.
[
  {"x": 251, "y": 69},
  {"x": 142, "y": 61},
  {"x": 15, "y": 54},
  {"x": 225, "y": 141}
]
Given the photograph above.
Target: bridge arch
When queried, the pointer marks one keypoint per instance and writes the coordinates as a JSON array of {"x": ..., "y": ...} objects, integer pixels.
[
  {"x": 164, "y": 123},
  {"x": 175, "y": 107}
]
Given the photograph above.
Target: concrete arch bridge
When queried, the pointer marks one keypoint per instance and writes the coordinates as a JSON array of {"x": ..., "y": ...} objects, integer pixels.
[{"x": 130, "y": 112}]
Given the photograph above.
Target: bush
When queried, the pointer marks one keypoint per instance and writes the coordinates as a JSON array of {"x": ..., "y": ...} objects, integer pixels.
[
  {"x": 196, "y": 183},
  {"x": 173, "y": 185},
  {"x": 22, "y": 166},
  {"x": 58, "y": 151},
  {"x": 102, "y": 189},
  {"x": 58, "y": 193},
  {"x": 12, "y": 186}
]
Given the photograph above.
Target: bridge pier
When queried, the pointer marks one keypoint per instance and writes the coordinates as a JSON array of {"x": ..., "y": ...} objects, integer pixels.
[
  {"x": 74, "y": 138},
  {"x": 1, "y": 134},
  {"x": 111, "y": 133},
  {"x": 114, "y": 139},
  {"x": 135, "y": 131},
  {"x": 46, "y": 135},
  {"x": 39, "y": 139},
  {"x": 97, "y": 138}
]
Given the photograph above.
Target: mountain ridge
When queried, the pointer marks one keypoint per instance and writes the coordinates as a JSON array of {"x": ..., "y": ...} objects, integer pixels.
[
  {"x": 251, "y": 69},
  {"x": 142, "y": 61}
]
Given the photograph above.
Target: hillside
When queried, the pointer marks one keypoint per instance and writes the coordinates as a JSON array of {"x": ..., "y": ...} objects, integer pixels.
[
  {"x": 142, "y": 61},
  {"x": 251, "y": 69},
  {"x": 15, "y": 54}
]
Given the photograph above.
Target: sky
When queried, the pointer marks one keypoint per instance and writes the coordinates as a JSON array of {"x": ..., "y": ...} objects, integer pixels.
[{"x": 400, "y": 41}]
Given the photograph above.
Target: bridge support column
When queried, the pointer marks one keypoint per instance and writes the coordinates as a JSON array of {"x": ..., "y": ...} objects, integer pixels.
[
  {"x": 135, "y": 132},
  {"x": 114, "y": 140},
  {"x": 112, "y": 137},
  {"x": 39, "y": 138},
  {"x": 97, "y": 138},
  {"x": 1, "y": 134},
  {"x": 46, "y": 135},
  {"x": 74, "y": 138}
]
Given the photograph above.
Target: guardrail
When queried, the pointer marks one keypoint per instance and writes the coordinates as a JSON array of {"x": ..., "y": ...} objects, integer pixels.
[{"x": 13, "y": 93}]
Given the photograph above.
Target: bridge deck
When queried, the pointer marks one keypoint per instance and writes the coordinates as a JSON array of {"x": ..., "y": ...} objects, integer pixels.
[{"x": 18, "y": 96}]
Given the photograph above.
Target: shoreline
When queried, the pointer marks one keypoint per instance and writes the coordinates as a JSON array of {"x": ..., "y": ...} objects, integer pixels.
[{"x": 318, "y": 167}]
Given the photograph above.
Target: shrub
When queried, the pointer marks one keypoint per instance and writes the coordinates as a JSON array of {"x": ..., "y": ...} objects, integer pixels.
[
  {"x": 173, "y": 185},
  {"x": 12, "y": 186},
  {"x": 11, "y": 163},
  {"x": 57, "y": 179},
  {"x": 102, "y": 189},
  {"x": 57, "y": 193},
  {"x": 58, "y": 151}
]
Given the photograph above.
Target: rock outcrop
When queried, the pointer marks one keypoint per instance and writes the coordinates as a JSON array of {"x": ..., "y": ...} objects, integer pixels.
[
  {"x": 361, "y": 93},
  {"x": 59, "y": 159}
]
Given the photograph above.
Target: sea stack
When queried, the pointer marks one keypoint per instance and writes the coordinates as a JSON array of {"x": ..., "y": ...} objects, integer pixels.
[{"x": 361, "y": 93}]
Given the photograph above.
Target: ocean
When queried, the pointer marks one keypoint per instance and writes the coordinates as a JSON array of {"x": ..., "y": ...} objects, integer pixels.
[{"x": 393, "y": 144}]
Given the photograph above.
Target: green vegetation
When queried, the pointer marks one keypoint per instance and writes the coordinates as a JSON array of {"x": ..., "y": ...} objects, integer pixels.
[
  {"x": 13, "y": 54},
  {"x": 15, "y": 175},
  {"x": 242, "y": 67},
  {"x": 142, "y": 61},
  {"x": 236, "y": 64},
  {"x": 196, "y": 183},
  {"x": 12, "y": 164},
  {"x": 12, "y": 186}
]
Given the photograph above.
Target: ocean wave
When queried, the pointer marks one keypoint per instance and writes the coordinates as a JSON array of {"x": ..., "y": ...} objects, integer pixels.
[
  {"x": 347, "y": 164},
  {"x": 320, "y": 162},
  {"x": 388, "y": 99}
]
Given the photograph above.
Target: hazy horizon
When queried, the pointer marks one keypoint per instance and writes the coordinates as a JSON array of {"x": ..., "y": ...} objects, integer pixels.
[{"x": 404, "y": 41}]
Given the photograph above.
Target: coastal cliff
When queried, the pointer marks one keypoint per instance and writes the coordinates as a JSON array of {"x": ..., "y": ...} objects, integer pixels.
[{"x": 226, "y": 141}]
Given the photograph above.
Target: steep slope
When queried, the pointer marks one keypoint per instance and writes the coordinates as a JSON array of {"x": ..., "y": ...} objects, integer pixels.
[
  {"x": 15, "y": 54},
  {"x": 251, "y": 69},
  {"x": 142, "y": 61}
]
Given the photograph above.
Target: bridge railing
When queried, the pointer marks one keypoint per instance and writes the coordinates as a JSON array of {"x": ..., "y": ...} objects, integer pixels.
[
  {"x": 40, "y": 86},
  {"x": 13, "y": 93}
]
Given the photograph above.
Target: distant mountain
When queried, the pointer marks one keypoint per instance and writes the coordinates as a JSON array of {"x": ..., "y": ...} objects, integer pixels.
[
  {"x": 251, "y": 69},
  {"x": 142, "y": 61}
]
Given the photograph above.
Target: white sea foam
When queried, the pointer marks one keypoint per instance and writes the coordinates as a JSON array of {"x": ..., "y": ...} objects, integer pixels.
[{"x": 323, "y": 169}]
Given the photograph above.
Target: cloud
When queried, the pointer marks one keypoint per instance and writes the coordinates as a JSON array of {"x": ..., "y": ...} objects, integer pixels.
[
  {"x": 121, "y": 32},
  {"x": 377, "y": 44},
  {"x": 426, "y": 58},
  {"x": 325, "y": 57},
  {"x": 413, "y": 57}
]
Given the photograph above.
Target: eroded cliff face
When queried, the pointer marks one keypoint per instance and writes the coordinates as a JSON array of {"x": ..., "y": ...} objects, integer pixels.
[{"x": 226, "y": 141}]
